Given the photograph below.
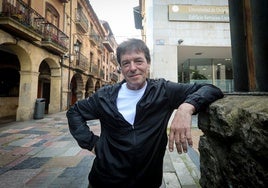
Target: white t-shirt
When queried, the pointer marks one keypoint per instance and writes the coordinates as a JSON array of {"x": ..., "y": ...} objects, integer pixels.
[{"x": 127, "y": 100}]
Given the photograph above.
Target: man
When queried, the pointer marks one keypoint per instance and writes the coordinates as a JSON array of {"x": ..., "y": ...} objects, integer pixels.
[{"x": 134, "y": 115}]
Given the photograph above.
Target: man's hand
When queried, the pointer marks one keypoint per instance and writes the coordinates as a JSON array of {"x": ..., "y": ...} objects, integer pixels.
[
  {"x": 180, "y": 129},
  {"x": 93, "y": 150}
]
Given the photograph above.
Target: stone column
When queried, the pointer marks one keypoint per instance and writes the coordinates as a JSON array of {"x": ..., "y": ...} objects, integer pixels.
[
  {"x": 55, "y": 91},
  {"x": 28, "y": 95}
]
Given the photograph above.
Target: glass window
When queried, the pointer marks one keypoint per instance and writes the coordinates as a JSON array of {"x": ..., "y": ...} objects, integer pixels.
[{"x": 213, "y": 71}]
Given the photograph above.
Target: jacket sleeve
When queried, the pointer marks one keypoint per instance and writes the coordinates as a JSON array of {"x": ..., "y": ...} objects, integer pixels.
[
  {"x": 77, "y": 116},
  {"x": 199, "y": 95},
  {"x": 204, "y": 96}
]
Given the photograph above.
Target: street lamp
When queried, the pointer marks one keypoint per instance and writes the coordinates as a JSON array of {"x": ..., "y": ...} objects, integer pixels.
[{"x": 76, "y": 47}]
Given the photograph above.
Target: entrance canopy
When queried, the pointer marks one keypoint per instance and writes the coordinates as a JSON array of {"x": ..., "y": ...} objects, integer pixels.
[{"x": 200, "y": 52}]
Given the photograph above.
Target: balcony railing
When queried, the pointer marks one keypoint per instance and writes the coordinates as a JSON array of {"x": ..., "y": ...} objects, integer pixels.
[
  {"x": 100, "y": 48},
  {"x": 81, "y": 62},
  {"x": 102, "y": 75},
  {"x": 108, "y": 44},
  {"x": 94, "y": 70},
  {"x": 81, "y": 20},
  {"x": 94, "y": 37},
  {"x": 22, "y": 20},
  {"x": 114, "y": 77},
  {"x": 54, "y": 35}
]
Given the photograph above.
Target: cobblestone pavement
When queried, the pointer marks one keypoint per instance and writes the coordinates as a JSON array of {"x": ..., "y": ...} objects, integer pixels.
[{"x": 42, "y": 153}]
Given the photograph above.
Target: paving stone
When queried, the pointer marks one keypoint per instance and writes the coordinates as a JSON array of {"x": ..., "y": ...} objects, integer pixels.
[
  {"x": 86, "y": 161},
  {"x": 40, "y": 143},
  {"x": 20, "y": 142},
  {"x": 31, "y": 163},
  {"x": 17, "y": 161},
  {"x": 44, "y": 178},
  {"x": 17, "y": 178},
  {"x": 168, "y": 166},
  {"x": 72, "y": 151},
  {"x": 51, "y": 152},
  {"x": 3, "y": 170},
  {"x": 183, "y": 171},
  {"x": 194, "y": 156},
  {"x": 34, "y": 131},
  {"x": 35, "y": 150},
  {"x": 63, "y": 162},
  {"x": 7, "y": 159},
  {"x": 53, "y": 158},
  {"x": 10, "y": 138},
  {"x": 171, "y": 180},
  {"x": 4, "y": 135},
  {"x": 21, "y": 150}
]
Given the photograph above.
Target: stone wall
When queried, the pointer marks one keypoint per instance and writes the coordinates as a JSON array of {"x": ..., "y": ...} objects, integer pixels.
[
  {"x": 8, "y": 106},
  {"x": 234, "y": 150}
]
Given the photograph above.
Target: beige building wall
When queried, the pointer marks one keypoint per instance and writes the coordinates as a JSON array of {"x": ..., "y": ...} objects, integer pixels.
[{"x": 37, "y": 44}]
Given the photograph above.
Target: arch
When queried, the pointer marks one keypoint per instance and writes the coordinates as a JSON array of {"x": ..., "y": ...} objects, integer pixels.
[
  {"x": 49, "y": 84},
  {"x": 97, "y": 85},
  {"x": 9, "y": 84},
  {"x": 89, "y": 90},
  {"x": 77, "y": 88},
  {"x": 44, "y": 83}
]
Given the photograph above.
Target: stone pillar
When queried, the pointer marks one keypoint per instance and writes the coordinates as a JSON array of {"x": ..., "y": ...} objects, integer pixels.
[
  {"x": 28, "y": 95},
  {"x": 55, "y": 91},
  {"x": 260, "y": 42},
  {"x": 239, "y": 52}
]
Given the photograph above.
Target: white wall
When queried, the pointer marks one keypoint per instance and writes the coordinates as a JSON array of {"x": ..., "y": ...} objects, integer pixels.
[{"x": 162, "y": 35}]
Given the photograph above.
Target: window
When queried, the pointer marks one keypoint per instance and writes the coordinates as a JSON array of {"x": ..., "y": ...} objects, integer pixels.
[{"x": 52, "y": 15}]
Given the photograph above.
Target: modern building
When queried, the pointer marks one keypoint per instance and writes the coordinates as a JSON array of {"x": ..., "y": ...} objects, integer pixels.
[
  {"x": 189, "y": 40},
  {"x": 56, "y": 50}
]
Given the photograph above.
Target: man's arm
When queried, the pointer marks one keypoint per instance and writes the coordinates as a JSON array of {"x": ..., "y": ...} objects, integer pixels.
[
  {"x": 180, "y": 129},
  {"x": 197, "y": 98},
  {"x": 77, "y": 117}
]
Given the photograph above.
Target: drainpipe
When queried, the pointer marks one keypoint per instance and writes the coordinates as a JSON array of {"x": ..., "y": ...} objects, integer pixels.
[{"x": 70, "y": 47}]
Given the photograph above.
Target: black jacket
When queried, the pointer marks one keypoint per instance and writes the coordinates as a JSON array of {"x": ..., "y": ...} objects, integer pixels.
[{"x": 129, "y": 156}]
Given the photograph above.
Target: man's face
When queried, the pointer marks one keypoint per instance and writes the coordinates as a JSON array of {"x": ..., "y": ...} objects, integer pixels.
[{"x": 134, "y": 68}]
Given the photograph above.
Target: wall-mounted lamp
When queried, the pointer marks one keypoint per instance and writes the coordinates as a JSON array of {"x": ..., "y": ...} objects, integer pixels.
[
  {"x": 180, "y": 41},
  {"x": 76, "y": 47}
]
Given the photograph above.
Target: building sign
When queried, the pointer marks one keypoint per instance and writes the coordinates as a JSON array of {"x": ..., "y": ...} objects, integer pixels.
[{"x": 200, "y": 13}]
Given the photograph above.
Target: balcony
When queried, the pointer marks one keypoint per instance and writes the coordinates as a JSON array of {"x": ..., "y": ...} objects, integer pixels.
[
  {"x": 19, "y": 19},
  {"x": 108, "y": 44},
  {"x": 114, "y": 77},
  {"x": 81, "y": 20},
  {"x": 94, "y": 38},
  {"x": 81, "y": 63},
  {"x": 100, "y": 48},
  {"x": 102, "y": 75},
  {"x": 94, "y": 70},
  {"x": 113, "y": 59},
  {"x": 54, "y": 39}
]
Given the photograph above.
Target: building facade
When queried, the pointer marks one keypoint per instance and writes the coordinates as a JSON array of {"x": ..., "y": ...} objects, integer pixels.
[
  {"x": 189, "y": 40},
  {"x": 57, "y": 50}
]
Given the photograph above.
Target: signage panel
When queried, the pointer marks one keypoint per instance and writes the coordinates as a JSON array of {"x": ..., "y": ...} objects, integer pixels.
[{"x": 200, "y": 13}]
